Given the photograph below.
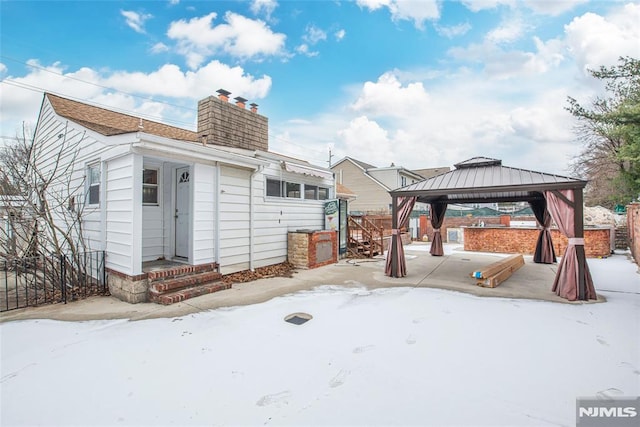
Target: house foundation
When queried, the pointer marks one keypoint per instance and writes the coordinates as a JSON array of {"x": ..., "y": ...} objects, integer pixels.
[{"x": 131, "y": 289}]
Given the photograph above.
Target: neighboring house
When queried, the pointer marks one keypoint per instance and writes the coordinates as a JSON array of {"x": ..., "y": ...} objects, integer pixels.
[
  {"x": 16, "y": 226},
  {"x": 372, "y": 184},
  {"x": 158, "y": 192}
]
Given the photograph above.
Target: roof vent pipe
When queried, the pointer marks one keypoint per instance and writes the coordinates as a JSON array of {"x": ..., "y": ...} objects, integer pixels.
[
  {"x": 240, "y": 101},
  {"x": 223, "y": 94}
]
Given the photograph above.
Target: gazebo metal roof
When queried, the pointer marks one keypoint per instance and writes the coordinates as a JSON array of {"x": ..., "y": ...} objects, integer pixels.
[{"x": 482, "y": 179}]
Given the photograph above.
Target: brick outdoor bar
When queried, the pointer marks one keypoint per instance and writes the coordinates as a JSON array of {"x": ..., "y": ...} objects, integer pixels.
[
  {"x": 522, "y": 240},
  {"x": 311, "y": 249}
]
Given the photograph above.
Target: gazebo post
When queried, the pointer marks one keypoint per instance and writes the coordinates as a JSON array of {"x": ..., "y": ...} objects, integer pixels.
[
  {"x": 578, "y": 229},
  {"x": 392, "y": 244}
]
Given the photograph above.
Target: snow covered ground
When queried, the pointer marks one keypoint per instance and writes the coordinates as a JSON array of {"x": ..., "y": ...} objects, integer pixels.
[{"x": 400, "y": 356}]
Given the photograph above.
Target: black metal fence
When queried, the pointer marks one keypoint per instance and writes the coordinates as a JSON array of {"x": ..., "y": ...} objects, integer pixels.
[{"x": 51, "y": 279}]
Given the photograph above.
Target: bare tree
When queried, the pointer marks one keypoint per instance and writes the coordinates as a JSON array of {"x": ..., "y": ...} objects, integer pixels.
[
  {"x": 44, "y": 193},
  {"x": 42, "y": 198}
]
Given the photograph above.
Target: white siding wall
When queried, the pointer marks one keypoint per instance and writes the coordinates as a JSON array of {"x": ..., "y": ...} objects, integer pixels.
[
  {"x": 204, "y": 186},
  {"x": 234, "y": 219},
  {"x": 123, "y": 220},
  {"x": 273, "y": 217},
  {"x": 63, "y": 149}
]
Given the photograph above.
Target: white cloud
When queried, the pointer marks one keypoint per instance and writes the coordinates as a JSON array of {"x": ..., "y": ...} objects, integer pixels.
[
  {"x": 387, "y": 96},
  {"x": 167, "y": 82},
  {"x": 510, "y": 30},
  {"x": 340, "y": 34},
  {"x": 313, "y": 34},
  {"x": 453, "y": 30},
  {"x": 266, "y": 7},
  {"x": 541, "y": 7},
  {"x": 595, "y": 40},
  {"x": 368, "y": 139},
  {"x": 478, "y": 5},
  {"x": 135, "y": 20},
  {"x": 303, "y": 49},
  {"x": 159, "y": 48},
  {"x": 408, "y": 10},
  {"x": 239, "y": 37},
  {"x": 552, "y": 8},
  {"x": 499, "y": 63},
  {"x": 311, "y": 37}
]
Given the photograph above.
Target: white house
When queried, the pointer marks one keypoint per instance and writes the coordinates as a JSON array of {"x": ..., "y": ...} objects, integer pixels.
[{"x": 157, "y": 192}]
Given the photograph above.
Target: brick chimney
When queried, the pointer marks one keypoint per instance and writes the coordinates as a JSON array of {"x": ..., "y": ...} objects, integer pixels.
[{"x": 223, "y": 123}]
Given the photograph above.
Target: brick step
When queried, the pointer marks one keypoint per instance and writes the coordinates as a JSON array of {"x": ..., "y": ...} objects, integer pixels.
[
  {"x": 183, "y": 281},
  {"x": 186, "y": 293},
  {"x": 181, "y": 271}
]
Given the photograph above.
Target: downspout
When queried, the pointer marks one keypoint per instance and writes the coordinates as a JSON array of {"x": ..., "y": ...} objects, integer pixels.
[
  {"x": 251, "y": 216},
  {"x": 103, "y": 205},
  {"x": 216, "y": 236}
]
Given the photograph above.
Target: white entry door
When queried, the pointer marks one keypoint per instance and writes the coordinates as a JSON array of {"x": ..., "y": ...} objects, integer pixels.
[{"x": 182, "y": 212}]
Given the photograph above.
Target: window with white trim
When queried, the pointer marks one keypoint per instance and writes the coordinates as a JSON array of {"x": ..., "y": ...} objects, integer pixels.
[
  {"x": 311, "y": 192},
  {"x": 295, "y": 190},
  {"x": 323, "y": 193},
  {"x": 93, "y": 184},
  {"x": 150, "y": 187},
  {"x": 292, "y": 190},
  {"x": 274, "y": 187}
]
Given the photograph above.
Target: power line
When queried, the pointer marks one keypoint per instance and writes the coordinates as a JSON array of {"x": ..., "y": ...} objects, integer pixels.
[{"x": 34, "y": 88}]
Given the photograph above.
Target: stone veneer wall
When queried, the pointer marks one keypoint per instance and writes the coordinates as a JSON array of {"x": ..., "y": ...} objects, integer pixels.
[
  {"x": 597, "y": 241},
  {"x": 302, "y": 248},
  {"x": 131, "y": 289},
  {"x": 633, "y": 230}
]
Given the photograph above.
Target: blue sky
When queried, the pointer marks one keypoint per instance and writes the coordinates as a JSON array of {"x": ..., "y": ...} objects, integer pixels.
[{"x": 415, "y": 83}]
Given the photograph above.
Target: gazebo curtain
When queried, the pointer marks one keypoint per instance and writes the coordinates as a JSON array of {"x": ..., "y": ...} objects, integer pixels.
[
  {"x": 396, "y": 265},
  {"x": 573, "y": 269},
  {"x": 438, "y": 210},
  {"x": 544, "y": 253}
]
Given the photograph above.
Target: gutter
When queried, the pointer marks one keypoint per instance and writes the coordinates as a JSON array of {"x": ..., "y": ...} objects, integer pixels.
[{"x": 155, "y": 145}]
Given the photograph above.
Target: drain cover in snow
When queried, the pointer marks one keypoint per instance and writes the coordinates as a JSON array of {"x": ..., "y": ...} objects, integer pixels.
[{"x": 298, "y": 318}]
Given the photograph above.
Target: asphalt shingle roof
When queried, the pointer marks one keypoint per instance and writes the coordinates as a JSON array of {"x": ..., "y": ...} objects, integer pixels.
[{"x": 109, "y": 123}]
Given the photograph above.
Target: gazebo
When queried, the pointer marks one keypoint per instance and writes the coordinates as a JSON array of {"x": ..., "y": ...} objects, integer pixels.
[{"x": 483, "y": 180}]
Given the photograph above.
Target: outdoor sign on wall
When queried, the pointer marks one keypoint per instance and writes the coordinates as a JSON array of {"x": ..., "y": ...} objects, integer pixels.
[
  {"x": 331, "y": 215},
  {"x": 335, "y": 218}
]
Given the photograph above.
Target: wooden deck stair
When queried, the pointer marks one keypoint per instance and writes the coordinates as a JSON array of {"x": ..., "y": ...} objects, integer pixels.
[
  {"x": 365, "y": 238},
  {"x": 179, "y": 283}
]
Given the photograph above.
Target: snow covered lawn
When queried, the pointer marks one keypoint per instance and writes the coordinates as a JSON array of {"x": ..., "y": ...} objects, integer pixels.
[{"x": 400, "y": 356}]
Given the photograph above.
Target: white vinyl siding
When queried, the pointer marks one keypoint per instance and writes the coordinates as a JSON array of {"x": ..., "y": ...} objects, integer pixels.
[
  {"x": 65, "y": 150},
  {"x": 204, "y": 186},
  {"x": 234, "y": 219},
  {"x": 123, "y": 215}
]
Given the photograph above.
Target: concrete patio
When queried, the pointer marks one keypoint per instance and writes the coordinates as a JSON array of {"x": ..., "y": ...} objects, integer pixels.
[{"x": 450, "y": 272}]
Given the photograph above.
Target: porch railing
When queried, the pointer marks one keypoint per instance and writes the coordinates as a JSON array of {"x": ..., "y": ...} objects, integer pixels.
[{"x": 48, "y": 279}]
